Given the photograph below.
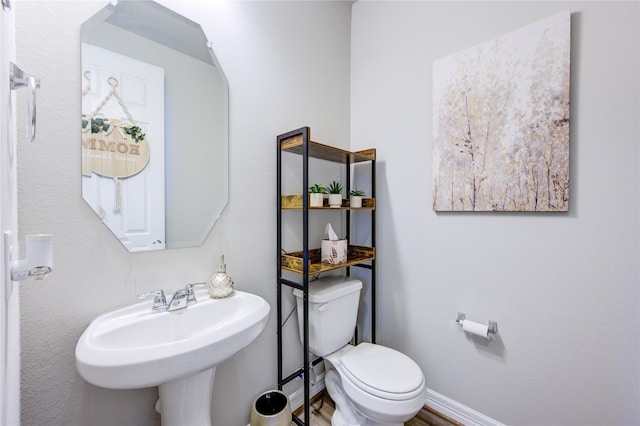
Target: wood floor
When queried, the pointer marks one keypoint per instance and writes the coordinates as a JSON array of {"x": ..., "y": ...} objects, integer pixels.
[{"x": 322, "y": 409}]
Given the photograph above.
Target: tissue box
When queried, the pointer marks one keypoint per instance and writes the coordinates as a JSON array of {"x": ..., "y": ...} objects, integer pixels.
[{"x": 333, "y": 251}]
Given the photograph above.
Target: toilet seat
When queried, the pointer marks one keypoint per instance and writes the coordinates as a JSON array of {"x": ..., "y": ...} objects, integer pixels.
[{"x": 383, "y": 372}]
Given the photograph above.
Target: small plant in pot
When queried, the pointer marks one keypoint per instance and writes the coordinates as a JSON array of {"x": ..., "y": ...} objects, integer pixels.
[
  {"x": 316, "y": 195},
  {"x": 355, "y": 198},
  {"x": 335, "y": 194}
]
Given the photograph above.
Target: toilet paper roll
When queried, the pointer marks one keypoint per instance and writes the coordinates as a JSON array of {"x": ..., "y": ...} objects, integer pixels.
[{"x": 481, "y": 330}]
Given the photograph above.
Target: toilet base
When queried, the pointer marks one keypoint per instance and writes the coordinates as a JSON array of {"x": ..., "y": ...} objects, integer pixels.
[
  {"x": 337, "y": 420},
  {"x": 345, "y": 413}
]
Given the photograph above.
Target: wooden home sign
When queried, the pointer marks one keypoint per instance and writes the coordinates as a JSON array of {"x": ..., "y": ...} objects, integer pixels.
[{"x": 112, "y": 149}]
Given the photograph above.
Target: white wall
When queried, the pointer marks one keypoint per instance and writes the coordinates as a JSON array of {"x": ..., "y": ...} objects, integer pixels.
[
  {"x": 564, "y": 288},
  {"x": 288, "y": 66}
]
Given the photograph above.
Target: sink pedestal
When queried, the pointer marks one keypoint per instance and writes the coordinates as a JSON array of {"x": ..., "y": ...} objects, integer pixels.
[{"x": 187, "y": 401}]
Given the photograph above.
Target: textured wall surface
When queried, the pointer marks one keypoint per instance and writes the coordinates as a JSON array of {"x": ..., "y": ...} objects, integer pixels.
[
  {"x": 564, "y": 288},
  {"x": 288, "y": 66}
]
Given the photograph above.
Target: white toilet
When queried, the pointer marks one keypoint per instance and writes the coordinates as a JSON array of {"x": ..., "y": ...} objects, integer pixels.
[{"x": 370, "y": 384}]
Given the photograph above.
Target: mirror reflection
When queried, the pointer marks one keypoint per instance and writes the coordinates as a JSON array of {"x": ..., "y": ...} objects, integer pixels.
[{"x": 154, "y": 126}]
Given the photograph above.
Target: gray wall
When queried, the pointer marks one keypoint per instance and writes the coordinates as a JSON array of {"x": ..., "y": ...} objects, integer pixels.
[
  {"x": 563, "y": 287},
  {"x": 288, "y": 66}
]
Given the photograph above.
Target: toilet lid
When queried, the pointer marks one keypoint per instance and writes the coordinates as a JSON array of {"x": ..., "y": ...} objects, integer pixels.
[{"x": 383, "y": 371}]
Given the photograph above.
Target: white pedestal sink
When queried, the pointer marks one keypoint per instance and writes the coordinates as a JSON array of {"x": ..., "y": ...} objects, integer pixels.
[{"x": 177, "y": 351}]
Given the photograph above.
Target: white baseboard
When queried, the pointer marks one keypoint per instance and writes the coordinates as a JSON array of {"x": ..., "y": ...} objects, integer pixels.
[
  {"x": 457, "y": 411},
  {"x": 296, "y": 399}
]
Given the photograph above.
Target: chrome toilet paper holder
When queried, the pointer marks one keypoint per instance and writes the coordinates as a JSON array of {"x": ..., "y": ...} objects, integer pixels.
[{"x": 492, "y": 326}]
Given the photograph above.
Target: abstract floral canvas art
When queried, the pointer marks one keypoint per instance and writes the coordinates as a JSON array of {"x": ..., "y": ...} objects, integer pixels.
[{"x": 501, "y": 122}]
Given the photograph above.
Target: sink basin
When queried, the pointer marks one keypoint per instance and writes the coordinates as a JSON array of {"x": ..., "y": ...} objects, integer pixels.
[{"x": 134, "y": 348}]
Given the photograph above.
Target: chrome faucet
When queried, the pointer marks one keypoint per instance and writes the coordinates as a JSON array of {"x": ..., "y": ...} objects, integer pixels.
[
  {"x": 191, "y": 297},
  {"x": 180, "y": 299},
  {"x": 159, "y": 300},
  {"x": 184, "y": 297}
]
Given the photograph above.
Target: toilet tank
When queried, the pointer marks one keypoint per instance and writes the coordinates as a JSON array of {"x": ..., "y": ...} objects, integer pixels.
[{"x": 333, "y": 312}]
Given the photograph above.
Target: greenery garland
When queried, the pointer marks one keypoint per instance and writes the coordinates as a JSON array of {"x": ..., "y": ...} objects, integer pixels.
[{"x": 102, "y": 125}]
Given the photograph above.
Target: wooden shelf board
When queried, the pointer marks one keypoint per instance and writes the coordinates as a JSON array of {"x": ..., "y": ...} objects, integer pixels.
[
  {"x": 326, "y": 152},
  {"x": 294, "y": 202},
  {"x": 355, "y": 254}
]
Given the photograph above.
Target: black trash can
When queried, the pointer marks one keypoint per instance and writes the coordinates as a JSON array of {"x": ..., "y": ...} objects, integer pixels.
[{"x": 272, "y": 408}]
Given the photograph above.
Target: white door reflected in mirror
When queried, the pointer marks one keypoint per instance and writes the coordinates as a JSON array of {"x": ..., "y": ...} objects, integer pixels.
[
  {"x": 189, "y": 178},
  {"x": 123, "y": 174}
]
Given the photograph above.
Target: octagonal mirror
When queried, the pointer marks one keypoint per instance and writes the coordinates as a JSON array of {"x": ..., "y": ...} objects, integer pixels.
[{"x": 154, "y": 126}]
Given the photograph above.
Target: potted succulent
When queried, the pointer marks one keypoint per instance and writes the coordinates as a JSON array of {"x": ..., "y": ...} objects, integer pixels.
[
  {"x": 335, "y": 194},
  {"x": 355, "y": 198},
  {"x": 316, "y": 195}
]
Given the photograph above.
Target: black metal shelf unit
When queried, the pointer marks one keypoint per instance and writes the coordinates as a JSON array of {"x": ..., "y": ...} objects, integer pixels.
[{"x": 299, "y": 142}]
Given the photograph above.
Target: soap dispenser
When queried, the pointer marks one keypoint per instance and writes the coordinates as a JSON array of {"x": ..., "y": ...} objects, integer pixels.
[{"x": 220, "y": 284}]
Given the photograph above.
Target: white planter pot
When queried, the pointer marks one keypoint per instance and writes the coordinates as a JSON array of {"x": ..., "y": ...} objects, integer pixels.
[
  {"x": 335, "y": 200},
  {"x": 355, "y": 201},
  {"x": 315, "y": 200}
]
